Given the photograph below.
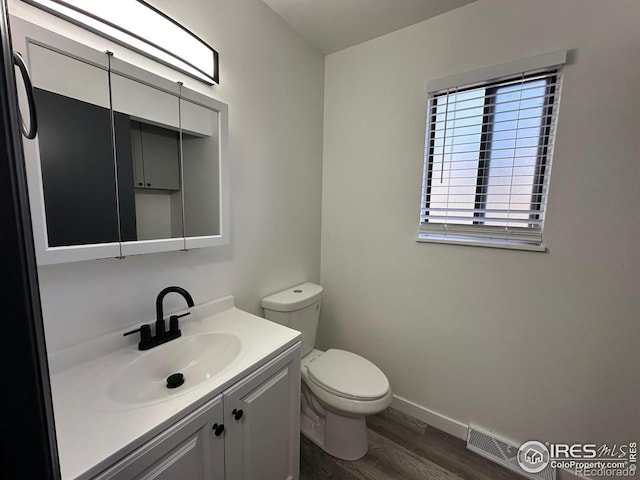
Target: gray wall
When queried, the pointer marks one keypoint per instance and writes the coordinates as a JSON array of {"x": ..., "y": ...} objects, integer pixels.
[
  {"x": 530, "y": 345},
  {"x": 273, "y": 84},
  {"x": 201, "y": 179}
]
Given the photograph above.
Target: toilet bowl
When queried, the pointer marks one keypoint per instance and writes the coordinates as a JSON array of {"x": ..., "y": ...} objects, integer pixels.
[{"x": 339, "y": 388}]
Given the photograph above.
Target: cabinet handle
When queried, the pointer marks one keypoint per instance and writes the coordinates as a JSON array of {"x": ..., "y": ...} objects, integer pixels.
[
  {"x": 237, "y": 414},
  {"x": 218, "y": 429},
  {"x": 148, "y": 184},
  {"x": 30, "y": 132}
]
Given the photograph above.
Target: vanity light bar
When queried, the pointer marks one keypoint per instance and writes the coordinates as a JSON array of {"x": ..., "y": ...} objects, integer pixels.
[{"x": 143, "y": 28}]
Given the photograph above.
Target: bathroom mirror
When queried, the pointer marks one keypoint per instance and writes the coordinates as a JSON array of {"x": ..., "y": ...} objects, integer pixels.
[
  {"x": 147, "y": 139},
  {"x": 200, "y": 170},
  {"x": 75, "y": 149},
  {"x": 126, "y": 162}
]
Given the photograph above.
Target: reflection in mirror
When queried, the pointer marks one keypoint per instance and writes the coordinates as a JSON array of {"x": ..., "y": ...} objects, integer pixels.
[
  {"x": 126, "y": 162},
  {"x": 76, "y": 149},
  {"x": 148, "y": 156},
  {"x": 200, "y": 150}
]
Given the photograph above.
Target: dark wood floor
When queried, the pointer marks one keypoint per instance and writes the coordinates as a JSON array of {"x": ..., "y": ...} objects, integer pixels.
[{"x": 402, "y": 448}]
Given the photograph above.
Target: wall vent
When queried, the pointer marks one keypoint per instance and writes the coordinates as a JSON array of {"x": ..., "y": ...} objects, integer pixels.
[{"x": 503, "y": 452}]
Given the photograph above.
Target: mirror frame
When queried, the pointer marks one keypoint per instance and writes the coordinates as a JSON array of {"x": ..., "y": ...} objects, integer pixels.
[{"x": 25, "y": 33}]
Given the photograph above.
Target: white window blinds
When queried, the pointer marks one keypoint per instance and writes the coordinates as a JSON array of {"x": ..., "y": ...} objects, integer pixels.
[{"x": 487, "y": 158}]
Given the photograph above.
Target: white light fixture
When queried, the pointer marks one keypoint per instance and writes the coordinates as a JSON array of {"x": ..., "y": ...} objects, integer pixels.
[{"x": 143, "y": 28}]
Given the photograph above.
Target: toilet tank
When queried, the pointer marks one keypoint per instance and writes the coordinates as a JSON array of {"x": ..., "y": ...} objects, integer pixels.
[{"x": 298, "y": 308}]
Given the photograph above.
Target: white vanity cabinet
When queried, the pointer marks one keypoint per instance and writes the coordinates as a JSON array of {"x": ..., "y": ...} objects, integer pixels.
[{"x": 260, "y": 439}]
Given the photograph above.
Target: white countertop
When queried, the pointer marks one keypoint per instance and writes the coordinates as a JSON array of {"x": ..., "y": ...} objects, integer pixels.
[{"x": 94, "y": 431}]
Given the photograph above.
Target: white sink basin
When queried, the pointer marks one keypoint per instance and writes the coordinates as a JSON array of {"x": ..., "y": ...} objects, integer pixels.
[{"x": 199, "y": 358}]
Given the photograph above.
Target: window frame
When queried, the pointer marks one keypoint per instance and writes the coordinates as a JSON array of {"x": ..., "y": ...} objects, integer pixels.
[{"x": 549, "y": 65}]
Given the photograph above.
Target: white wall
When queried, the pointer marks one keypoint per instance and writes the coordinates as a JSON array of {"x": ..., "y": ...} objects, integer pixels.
[
  {"x": 530, "y": 345},
  {"x": 273, "y": 84},
  {"x": 199, "y": 176},
  {"x": 158, "y": 213}
]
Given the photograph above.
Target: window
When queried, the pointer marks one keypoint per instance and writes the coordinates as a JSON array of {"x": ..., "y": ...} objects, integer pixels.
[{"x": 487, "y": 160}]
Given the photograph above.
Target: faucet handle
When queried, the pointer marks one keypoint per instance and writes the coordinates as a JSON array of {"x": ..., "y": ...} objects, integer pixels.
[
  {"x": 173, "y": 322},
  {"x": 145, "y": 333}
]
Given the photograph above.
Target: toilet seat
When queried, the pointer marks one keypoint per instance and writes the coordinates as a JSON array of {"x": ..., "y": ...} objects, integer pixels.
[
  {"x": 348, "y": 375},
  {"x": 333, "y": 396}
]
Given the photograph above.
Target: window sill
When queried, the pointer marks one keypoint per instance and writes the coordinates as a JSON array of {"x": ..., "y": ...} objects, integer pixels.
[{"x": 480, "y": 242}]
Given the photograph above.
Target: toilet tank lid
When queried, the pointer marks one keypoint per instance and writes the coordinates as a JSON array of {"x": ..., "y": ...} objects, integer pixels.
[{"x": 293, "y": 298}]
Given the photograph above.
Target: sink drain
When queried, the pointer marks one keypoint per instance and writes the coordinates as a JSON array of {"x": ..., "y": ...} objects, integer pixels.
[{"x": 175, "y": 380}]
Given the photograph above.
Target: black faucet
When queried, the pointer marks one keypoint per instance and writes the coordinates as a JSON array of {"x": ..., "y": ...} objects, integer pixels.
[{"x": 161, "y": 335}]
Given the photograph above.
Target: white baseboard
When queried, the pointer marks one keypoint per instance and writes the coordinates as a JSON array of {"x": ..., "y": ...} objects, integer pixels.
[
  {"x": 451, "y": 426},
  {"x": 435, "y": 419}
]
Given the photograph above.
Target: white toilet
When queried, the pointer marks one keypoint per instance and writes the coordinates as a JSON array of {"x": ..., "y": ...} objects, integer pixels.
[{"x": 338, "y": 388}]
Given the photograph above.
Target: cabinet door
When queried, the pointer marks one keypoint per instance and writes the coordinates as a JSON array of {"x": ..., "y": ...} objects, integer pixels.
[
  {"x": 161, "y": 157},
  {"x": 156, "y": 157},
  {"x": 262, "y": 419},
  {"x": 136, "y": 153},
  {"x": 189, "y": 450}
]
